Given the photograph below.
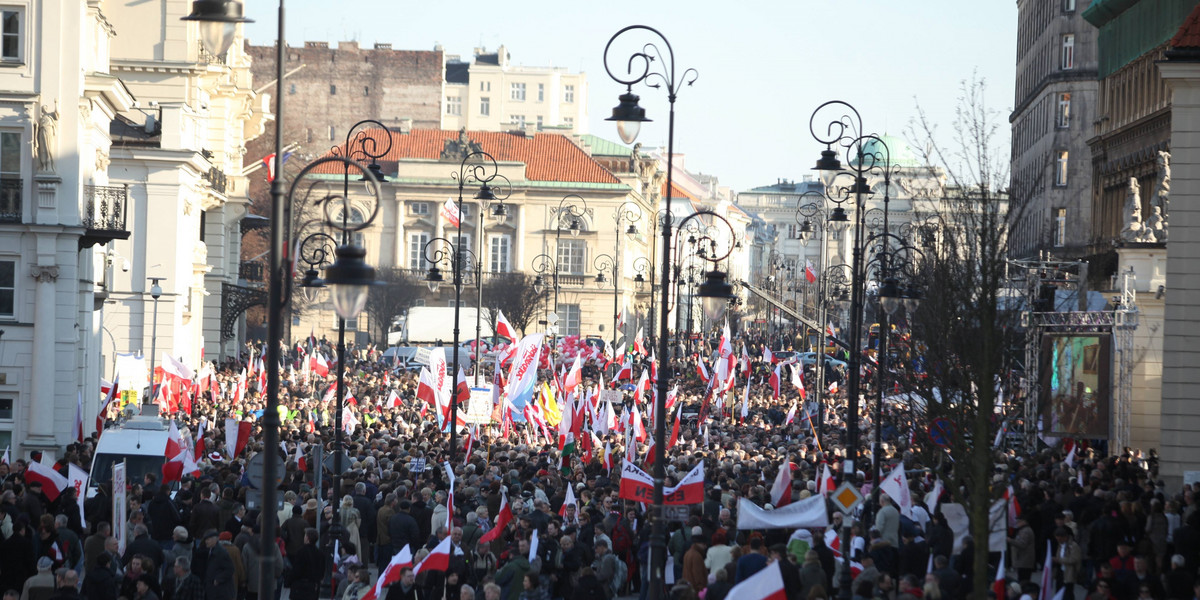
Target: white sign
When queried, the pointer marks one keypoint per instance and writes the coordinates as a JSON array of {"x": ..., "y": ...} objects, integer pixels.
[
  {"x": 120, "y": 505},
  {"x": 479, "y": 406},
  {"x": 613, "y": 397}
]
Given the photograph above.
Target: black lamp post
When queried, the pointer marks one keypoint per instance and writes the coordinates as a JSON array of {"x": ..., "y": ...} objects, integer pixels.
[
  {"x": 627, "y": 214},
  {"x": 543, "y": 264},
  {"x": 568, "y": 216},
  {"x": 484, "y": 173},
  {"x": 348, "y": 277},
  {"x": 866, "y": 154},
  {"x": 606, "y": 263}
]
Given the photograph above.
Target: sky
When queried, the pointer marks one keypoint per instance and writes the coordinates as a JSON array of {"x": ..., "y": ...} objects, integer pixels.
[{"x": 763, "y": 67}]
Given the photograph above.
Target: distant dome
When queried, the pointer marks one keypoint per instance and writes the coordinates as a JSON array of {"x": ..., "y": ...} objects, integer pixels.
[{"x": 897, "y": 149}]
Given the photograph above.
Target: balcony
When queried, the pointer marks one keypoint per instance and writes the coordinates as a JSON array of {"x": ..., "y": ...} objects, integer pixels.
[
  {"x": 209, "y": 59},
  {"x": 104, "y": 213},
  {"x": 217, "y": 179},
  {"x": 11, "y": 191},
  {"x": 252, "y": 271}
]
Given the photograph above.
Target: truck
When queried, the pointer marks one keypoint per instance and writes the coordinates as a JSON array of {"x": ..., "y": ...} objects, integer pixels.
[{"x": 428, "y": 325}]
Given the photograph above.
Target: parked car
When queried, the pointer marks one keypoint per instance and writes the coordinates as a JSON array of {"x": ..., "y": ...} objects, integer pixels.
[
  {"x": 809, "y": 358},
  {"x": 401, "y": 358}
]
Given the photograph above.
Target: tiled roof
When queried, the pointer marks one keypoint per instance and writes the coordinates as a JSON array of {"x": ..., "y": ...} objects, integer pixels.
[
  {"x": 602, "y": 147},
  {"x": 1188, "y": 35},
  {"x": 677, "y": 192},
  {"x": 547, "y": 156}
]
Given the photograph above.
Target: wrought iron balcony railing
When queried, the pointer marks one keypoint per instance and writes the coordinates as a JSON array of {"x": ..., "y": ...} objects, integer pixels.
[
  {"x": 104, "y": 214},
  {"x": 12, "y": 191}
]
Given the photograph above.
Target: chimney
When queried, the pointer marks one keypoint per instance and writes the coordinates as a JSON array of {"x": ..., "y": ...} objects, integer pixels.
[
  {"x": 406, "y": 125},
  {"x": 382, "y": 46},
  {"x": 347, "y": 45}
]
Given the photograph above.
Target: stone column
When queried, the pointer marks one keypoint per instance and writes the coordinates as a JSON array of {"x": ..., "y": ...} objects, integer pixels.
[{"x": 42, "y": 397}]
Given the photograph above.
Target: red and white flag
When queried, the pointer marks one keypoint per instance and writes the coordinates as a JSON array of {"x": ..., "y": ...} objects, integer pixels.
[
  {"x": 798, "y": 381},
  {"x": 569, "y": 500},
  {"x": 393, "y": 399},
  {"x": 775, "y": 381},
  {"x": 77, "y": 428},
  {"x": 52, "y": 483},
  {"x": 638, "y": 343},
  {"x": 768, "y": 356},
  {"x": 810, "y": 274},
  {"x": 237, "y": 433},
  {"x": 827, "y": 484},
  {"x": 503, "y": 328},
  {"x": 503, "y": 517},
  {"x": 626, "y": 371},
  {"x": 781, "y": 490},
  {"x": 198, "y": 443},
  {"x": 1001, "y": 583},
  {"x": 1014, "y": 508},
  {"x": 438, "y": 559},
  {"x": 109, "y": 395},
  {"x": 318, "y": 364},
  {"x": 766, "y": 584},
  {"x": 791, "y": 415},
  {"x": 78, "y": 479},
  {"x": 1047, "y": 589},
  {"x": 451, "y": 213},
  {"x": 176, "y": 452},
  {"x": 608, "y": 465},
  {"x": 675, "y": 428},
  {"x": 391, "y": 573},
  {"x": 574, "y": 377},
  {"x": 301, "y": 462}
]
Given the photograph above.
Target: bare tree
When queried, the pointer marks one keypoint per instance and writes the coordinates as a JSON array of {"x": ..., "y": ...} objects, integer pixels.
[
  {"x": 514, "y": 295},
  {"x": 964, "y": 326},
  {"x": 392, "y": 297}
]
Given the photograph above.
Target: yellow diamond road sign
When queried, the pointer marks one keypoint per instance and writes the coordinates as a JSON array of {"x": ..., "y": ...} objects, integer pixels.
[{"x": 846, "y": 498}]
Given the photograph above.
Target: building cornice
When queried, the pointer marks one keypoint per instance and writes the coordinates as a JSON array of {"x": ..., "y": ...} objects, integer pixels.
[
  {"x": 110, "y": 88},
  {"x": 148, "y": 66},
  {"x": 1074, "y": 75}
]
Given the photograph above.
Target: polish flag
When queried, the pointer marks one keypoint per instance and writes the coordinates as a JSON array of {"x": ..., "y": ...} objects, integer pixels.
[
  {"x": 393, "y": 399},
  {"x": 1000, "y": 583},
  {"x": 1069, "y": 445},
  {"x": 503, "y": 517},
  {"x": 608, "y": 465},
  {"x": 640, "y": 389},
  {"x": 781, "y": 491},
  {"x": 768, "y": 356},
  {"x": 638, "y": 427},
  {"x": 744, "y": 363},
  {"x": 791, "y": 415},
  {"x": 574, "y": 377},
  {"x": 746, "y": 402},
  {"x": 798, "y": 381},
  {"x": 725, "y": 345},
  {"x": 702, "y": 370},
  {"x": 766, "y": 584},
  {"x": 503, "y": 328},
  {"x": 109, "y": 395},
  {"x": 810, "y": 274},
  {"x": 425, "y": 390},
  {"x": 52, "y": 483},
  {"x": 569, "y": 500},
  {"x": 638, "y": 344},
  {"x": 77, "y": 429},
  {"x": 675, "y": 428},
  {"x": 1014, "y": 508},
  {"x": 470, "y": 442},
  {"x": 391, "y": 573},
  {"x": 318, "y": 364},
  {"x": 198, "y": 443},
  {"x": 172, "y": 470},
  {"x": 301, "y": 462},
  {"x": 1047, "y": 589},
  {"x": 626, "y": 371},
  {"x": 827, "y": 485},
  {"x": 237, "y": 433},
  {"x": 833, "y": 388},
  {"x": 775, "y": 380},
  {"x": 437, "y": 560}
]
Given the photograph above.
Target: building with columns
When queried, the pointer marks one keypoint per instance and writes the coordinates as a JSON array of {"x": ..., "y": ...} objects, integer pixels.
[
  {"x": 58, "y": 209},
  {"x": 179, "y": 152}
]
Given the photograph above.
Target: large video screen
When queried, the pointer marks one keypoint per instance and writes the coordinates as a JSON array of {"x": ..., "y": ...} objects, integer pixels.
[{"x": 1076, "y": 385}]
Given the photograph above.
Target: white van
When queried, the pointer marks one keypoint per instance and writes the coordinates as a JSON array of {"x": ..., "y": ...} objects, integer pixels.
[{"x": 141, "y": 441}]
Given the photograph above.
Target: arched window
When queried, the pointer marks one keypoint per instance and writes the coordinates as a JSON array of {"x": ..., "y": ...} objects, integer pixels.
[{"x": 355, "y": 218}]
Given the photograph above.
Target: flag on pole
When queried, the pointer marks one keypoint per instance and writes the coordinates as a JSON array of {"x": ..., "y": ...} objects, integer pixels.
[
  {"x": 503, "y": 328},
  {"x": 781, "y": 490},
  {"x": 1000, "y": 584},
  {"x": 767, "y": 584},
  {"x": 503, "y": 517},
  {"x": 52, "y": 483},
  {"x": 810, "y": 274},
  {"x": 77, "y": 428},
  {"x": 827, "y": 484}
]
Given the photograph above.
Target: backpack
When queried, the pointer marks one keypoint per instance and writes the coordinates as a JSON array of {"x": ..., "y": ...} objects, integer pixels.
[
  {"x": 622, "y": 539},
  {"x": 620, "y": 574}
]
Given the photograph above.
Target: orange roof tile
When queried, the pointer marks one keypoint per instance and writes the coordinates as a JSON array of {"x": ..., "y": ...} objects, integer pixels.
[
  {"x": 676, "y": 191},
  {"x": 1188, "y": 35},
  {"x": 547, "y": 156}
]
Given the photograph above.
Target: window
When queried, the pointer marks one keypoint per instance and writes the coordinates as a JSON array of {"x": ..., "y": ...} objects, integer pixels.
[
  {"x": 418, "y": 208},
  {"x": 1068, "y": 5},
  {"x": 793, "y": 231},
  {"x": 8, "y": 288},
  {"x": 485, "y": 106},
  {"x": 366, "y": 91},
  {"x": 332, "y": 90},
  {"x": 569, "y": 121},
  {"x": 331, "y": 133},
  {"x": 454, "y": 105},
  {"x": 568, "y": 319},
  {"x": 292, "y": 89},
  {"x": 419, "y": 302},
  {"x": 1060, "y": 169},
  {"x": 10, "y": 35},
  {"x": 1063, "y": 119},
  {"x": 416, "y": 251},
  {"x": 1060, "y": 227},
  {"x": 501, "y": 252},
  {"x": 1068, "y": 51},
  {"x": 355, "y": 218},
  {"x": 571, "y": 255},
  {"x": 11, "y": 189},
  {"x": 464, "y": 252},
  {"x": 541, "y": 92},
  {"x": 517, "y": 92},
  {"x": 485, "y": 86},
  {"x": 568, "y": 93},
  {"x": 517, "y": 121},
  {"x": 539, "y": 122}
]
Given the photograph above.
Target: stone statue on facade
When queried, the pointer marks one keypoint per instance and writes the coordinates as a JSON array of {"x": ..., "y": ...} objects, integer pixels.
[
  {"x": 457, "y": 150},
  {"x": 1135, "y": 230},
  {"x": 1161, "y": 203},
  {"x": 45, "y": 139}
]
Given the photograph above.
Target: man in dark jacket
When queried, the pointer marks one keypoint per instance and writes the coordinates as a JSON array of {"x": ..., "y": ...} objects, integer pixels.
[
  {"x": 142, "y": 544},
  {"x": 219, "y": 581},
  {"x": 205, "y": 515},
  {"x": 184, "y": 585},
  {"x": 164, "y": 517},
  {"x": 403, "y": 528},
  {"x": 308, "y": 568},
  {"x": 100, "y": 583}
]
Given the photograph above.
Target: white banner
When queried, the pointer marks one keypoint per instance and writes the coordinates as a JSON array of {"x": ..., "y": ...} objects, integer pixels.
[
  {"x": 132, "y": 372},
  {"x": 479, "y": 407},
  {"x": 957, "y": 520},
  {"x": 120, "y": 504},
  {"x": 809, "y": 512}
]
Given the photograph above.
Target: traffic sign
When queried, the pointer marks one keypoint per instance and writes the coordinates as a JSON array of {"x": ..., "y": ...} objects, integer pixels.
[
  {"x": 329, "y": 462},
  {"x": 846, "y": 498},
  {"x": 254, "y": 470},
  {"x": 941, "y": 431}
]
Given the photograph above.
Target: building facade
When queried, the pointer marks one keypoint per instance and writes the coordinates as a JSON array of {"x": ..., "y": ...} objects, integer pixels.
[
  {"x": 58, "y": 209},
  {"x": 1055, "y": 105},
  {"x": 490, "y": 93},
  {"x": 547, "y": 171},
  {"x": 179, "y": 153}
]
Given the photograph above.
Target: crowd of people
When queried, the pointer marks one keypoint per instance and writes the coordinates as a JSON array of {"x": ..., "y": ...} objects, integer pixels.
[{"x": 1105, "y": 525}]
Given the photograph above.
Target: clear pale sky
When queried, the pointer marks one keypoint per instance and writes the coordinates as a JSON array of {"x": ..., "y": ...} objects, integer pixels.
[{"x": 764, "y": 66}]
